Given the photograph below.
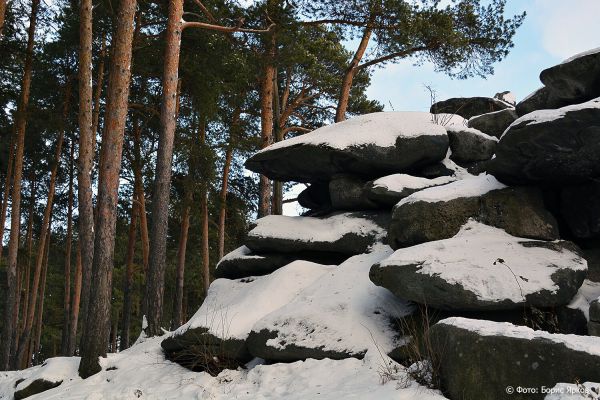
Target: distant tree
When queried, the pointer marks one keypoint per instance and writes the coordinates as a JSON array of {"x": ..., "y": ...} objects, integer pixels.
[{"x": 461, "y": 39}]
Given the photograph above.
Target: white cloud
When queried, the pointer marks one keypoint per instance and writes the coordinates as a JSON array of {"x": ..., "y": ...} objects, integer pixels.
[{"x": 567, "y": 26}]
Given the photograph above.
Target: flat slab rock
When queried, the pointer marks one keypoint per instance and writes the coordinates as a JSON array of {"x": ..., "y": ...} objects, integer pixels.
[
  {"x": 551, "y": 146},
  {"x": 481, "y": 359},
  {"x": 52, "y": 373},
  {"x": 484, "y": 268},
  {"x": 389, "y": 190},
  {"x": 344, "y": 233},
  {"x": 469, "y": 145},
  {"x": 576, "y": 79},
  {"x": 468, "y": 107},
  {"x": 494, "y": 123},
  {"x": 222, "y": 324},
  {"x": 370, "y": 145},
  {"x": 439, "y": 212},
  {"x": 243, "y": 263},
  {"x": 340, "y": 315}
]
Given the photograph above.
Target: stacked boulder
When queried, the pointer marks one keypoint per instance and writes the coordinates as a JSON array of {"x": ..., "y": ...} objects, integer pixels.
[{"x": 478, "y": 209}]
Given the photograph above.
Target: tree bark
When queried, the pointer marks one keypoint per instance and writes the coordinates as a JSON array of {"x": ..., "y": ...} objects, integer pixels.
[
  {"x": 39, "y": 262},
  {"x": 86, "y": 152},
  {"x": 7, "y": 187},
  {"x": 36, "y": 345},
  {"x": 266, "y": 123},
  {"x": 15, "y": 223},
  {"x": 205, "y": 244},
  {"x": 75, "y": 305},
  {"x": 128, "y": 281},
  {"x": 67, "y": 296},
  {"x": 181, "y": 251},
  {"x": 97, "y": 326},
  {"x": 2, "y": 16},
  {"x": 277, "y": 205},
  {"x": 141, "y": 197},
  {"x": 340, "y": 113},
  {"x": 98, "y": 91},
  {"x": 155, "y": 281}
]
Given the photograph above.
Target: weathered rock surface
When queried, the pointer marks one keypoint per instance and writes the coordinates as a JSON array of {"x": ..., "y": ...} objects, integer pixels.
[
  {"x": 36, "y": 387},
  {"x": 576, "y": 79},
  {"x": 390, "y": 189},
  {"x": 341, "y": 315},
  {"x": 551, "y": 146},
  {"x": 494, "y": 124},
  {"x": 469, "y": 145},
  {"x": 580, "y": 208},
  {"x": 468, "y": 107},
  {"x": 482, "y": 359},
  {"x": 439, "y": 212},
  {"x": 315, "y": 196},
  {"x": 348, "y": 192},
  {"x": 541, "y": 99},
  {"x": 342, "y": 233},
  {"x": 484, "y": 268},
  {"x": 242, "y": 263},
  {"x": 370, "y": 145}
]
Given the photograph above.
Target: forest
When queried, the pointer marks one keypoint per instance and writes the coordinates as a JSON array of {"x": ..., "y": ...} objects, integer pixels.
[{"x": 125, "y": 125}]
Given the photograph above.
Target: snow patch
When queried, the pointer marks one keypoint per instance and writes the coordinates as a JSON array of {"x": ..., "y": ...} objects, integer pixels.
[
  {"x": 470, "y": 259},
  {"x": 379, "y": 129},
  {"x": 472, "y": 186},
  {"x": 587, "y": 344}
]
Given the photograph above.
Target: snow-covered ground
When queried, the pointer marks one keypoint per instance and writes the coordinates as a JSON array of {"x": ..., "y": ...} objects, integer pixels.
[{"x": 142, "y": 372}]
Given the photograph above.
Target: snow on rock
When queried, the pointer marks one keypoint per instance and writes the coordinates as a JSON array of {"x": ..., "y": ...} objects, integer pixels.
[
  {"x": 342, "y": 314},
  {"x": 483, "y": 267},
  {"x": 542, "y": 116},
  {"x": 242, "y": 263},
  {"x": 587, "y": 293},
  {"x": 52, "y": 373},
  {"x": 479, "y": 356},
  {"x": 391, "y": 189},
  {"x": 345, "y": 233},
  {"x": 474, "y": 186},
  {"x": 558, "y": 147},
  {"x": 380, "y": 129},
  {"x": 233, "y": 306},
  {"x": 476, "y": 132},
  {"x": 369, "y": 145},
  {"x": 585, "y": 344}
]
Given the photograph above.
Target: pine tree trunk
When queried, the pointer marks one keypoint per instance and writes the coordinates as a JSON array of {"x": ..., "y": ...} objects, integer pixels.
[
  {"x": 98, "y": 92},
  {"x": 181, "y": 251},
  {"x": 266, "y": 124},
  {"x": 15, "y": 224},
  {"x": 39, "y": 320},
  {"x": 75, "y": 305},
  {"x": 223, "y": 197},
  {"x": 340, "y": 113},
  {"x": 7, "y": 187},
  {"x": 2, "y": 16},
  {"x": 140, "y": 195},
  {"x": 25, "y": 275},
  {"x": 277, "y": 200},
  {"x": 67, "y": 296},
  {"x": 86, "y": 152},
  {"x": 235, "y": 122},
  {"x": 97, "y": 325},
  {"x": 128, "y": 281},
  {"x": 37, "y": 274},
  {"x": 205, "y": 244},
  {"x": 155, "y": 281}
]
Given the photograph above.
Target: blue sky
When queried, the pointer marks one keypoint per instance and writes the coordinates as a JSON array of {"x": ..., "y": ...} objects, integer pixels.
[{"x": 553, "y": 31}]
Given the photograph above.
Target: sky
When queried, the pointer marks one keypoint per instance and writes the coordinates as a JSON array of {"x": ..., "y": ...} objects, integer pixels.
[{"x": 553, "y": 31}]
